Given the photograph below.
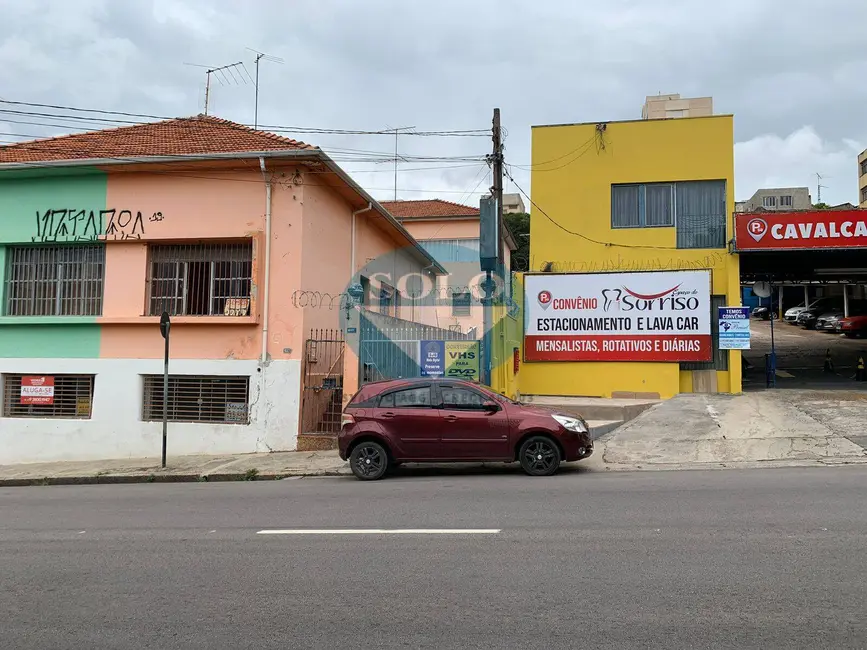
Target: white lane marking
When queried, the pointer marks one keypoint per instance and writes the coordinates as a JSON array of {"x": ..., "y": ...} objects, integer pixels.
[{"x": 381, "y": 531}]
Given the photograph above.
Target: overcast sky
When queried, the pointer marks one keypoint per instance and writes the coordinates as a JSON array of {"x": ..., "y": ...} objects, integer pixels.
[{"x": 794, "y": 73}]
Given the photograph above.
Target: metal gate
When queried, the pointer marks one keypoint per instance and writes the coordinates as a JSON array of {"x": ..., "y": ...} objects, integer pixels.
[
  {"x": 322, "y": 382},
  {"x": 389, "y": 347}
]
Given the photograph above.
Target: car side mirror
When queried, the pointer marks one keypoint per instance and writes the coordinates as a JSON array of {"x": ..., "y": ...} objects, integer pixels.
[{"x": 490, "y": 406}]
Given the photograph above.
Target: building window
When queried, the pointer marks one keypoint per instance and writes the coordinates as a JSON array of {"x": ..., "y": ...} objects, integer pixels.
[
  {"x": 863, "y": 167},
  {"x": 47, "y": 396},
  {"x": 786, "y": 201},
  {"x": 461, "y": 303},
  {"x": 769, "y": 202},
  {"x": 389, "y": 300},
  {"x": 720, "y": 357},
  {"x": 200, "y": 279},
  {"x": 863, "y": 194},
  {"x": 191, "y": 398},
  {"x": 642, "y": 206},
  {"x": 54, "y": 280},
  {"x": 701, "y": 214}
]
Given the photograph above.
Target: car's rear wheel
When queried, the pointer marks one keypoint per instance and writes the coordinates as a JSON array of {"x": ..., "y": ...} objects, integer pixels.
[
  {"x": 539, "y": 456},
  {"x": 368, "y": 461}
]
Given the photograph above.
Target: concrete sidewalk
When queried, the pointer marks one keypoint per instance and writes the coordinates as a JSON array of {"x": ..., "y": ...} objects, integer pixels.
[{"x": 179, "y": 469}]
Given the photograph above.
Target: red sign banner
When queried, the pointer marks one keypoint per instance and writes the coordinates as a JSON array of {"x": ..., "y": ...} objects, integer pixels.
[
  {"x": 651, "y": 347},
  {"x": 813, "y": 229},
  {"x": 37, "y": 390}
]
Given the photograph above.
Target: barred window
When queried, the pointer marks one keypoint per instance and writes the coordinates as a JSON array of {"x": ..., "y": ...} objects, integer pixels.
[
  {"x": 193, "y": 398},
  {"x": 54, "y": 280},
  {"x": 47, "y": 396},
  {"x": 200, "y": 279}
]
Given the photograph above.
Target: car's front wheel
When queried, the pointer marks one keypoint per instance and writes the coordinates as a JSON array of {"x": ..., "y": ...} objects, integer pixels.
[
  {"x": 369, "y": 461},
  {"x": 539, "y": 456}
]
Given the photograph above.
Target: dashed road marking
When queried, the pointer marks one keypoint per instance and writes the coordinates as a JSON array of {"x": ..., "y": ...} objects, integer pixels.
[{"x": 380, "y": 531}]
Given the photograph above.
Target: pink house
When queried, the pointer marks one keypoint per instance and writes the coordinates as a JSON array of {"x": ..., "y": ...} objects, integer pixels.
[
  {"x": 450, "y": 232},
  {"x": 248, "y": 239}
]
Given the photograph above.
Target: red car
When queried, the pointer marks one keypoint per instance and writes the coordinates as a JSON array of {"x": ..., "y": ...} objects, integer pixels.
[
  {"x": 438, "y": 420},
  {"x": 853, "y": 326}
]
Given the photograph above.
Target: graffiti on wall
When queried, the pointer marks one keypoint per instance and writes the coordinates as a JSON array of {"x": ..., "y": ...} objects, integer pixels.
[{"x": 73, "y": 225}]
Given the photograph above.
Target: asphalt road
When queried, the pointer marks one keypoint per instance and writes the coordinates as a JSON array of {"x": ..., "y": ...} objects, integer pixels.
[{"x": 720, "y": 559}]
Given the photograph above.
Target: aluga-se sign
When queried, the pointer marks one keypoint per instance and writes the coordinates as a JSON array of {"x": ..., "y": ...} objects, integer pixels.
[{"x": 659, "y": 316}]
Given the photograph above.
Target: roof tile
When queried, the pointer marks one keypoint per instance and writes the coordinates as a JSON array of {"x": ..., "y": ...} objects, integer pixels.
[
  {"x": 185, "y": 136},
  {"x": 428, "y": 208}
]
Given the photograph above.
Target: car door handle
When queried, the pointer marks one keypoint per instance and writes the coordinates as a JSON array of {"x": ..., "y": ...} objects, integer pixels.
[
  {"x": 388, "y": 414},
  {"x": 451, "y": 418}
]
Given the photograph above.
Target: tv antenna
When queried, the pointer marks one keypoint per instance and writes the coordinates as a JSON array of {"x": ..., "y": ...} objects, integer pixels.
[
  {"x": 397, "y": 131},
  {"x": 259, "y": 57},
  {"x": 819, "y": 187},
  {"x": 225, "y": 74}
]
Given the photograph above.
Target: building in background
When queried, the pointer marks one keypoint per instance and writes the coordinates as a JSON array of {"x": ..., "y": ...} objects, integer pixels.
[
  {"x": 777, "y": 199},
  {"x": 657, "y": 107},
  {"x": 247, "y": 239},
  {"x": 661, "y": 204},
  {"x": 450, "y": 233},
  {"x": 513, "y": 204},
  {"x": 862, "y": 179}
]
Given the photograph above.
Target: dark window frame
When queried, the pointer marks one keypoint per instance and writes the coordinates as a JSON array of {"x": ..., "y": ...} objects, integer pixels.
[
  {"x": 458, "y": 407},
  {"x": 641, "y": 207},
  {"x": 405, "y": 389},
  {"x": 182, "y": 403}
]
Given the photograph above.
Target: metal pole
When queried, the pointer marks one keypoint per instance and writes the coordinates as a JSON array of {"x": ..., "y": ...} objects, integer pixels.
[
  {"x": 773, "y": 369},
  {"x": 165, "y": 327},
  {"x": 207, "y": 89},
  {"x": 395, "y": 164},
  {"x": 256, "y": 110},
  {"x": 497, "y": 170}
]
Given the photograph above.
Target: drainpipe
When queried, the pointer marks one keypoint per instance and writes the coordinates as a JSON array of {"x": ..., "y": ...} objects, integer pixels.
[
  {"x": 352, "y": 235},
  {"x": 267, "y": 292}
]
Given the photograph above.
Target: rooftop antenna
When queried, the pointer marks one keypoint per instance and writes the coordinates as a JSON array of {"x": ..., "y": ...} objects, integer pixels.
[
  {"x": 259, "y": 57},
  {"x": 819, "y": 187},
  {"x": 397, "y": 131},
  {"x": 225, "y": 74}
]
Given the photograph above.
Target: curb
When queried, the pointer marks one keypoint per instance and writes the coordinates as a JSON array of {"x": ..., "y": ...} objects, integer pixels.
[{"x": 120, "y": 479}]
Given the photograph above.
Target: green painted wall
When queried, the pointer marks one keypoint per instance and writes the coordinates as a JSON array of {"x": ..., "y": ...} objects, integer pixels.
[
  {"x": 49, "y": 341},
  {"x": 52, "y": 207},
  {"x": 49, "y": 206}
]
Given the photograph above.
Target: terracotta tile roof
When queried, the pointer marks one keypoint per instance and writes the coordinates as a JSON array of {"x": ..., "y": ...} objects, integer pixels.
[
  {"x": 428, "y": 208},
  {"x": 202, "y": 134}
]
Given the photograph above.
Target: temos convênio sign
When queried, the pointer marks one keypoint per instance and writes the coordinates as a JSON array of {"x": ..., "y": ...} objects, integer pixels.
[{"x": 654, "y": 316}]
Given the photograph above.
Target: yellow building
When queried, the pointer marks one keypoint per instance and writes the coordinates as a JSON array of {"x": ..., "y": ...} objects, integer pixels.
[{"x": 643, "y": 195}]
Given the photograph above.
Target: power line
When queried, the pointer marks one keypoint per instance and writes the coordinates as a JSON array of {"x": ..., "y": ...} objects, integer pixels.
[
  {"x": 269, "y": 127},
  {"x": 578, "y": 234}
]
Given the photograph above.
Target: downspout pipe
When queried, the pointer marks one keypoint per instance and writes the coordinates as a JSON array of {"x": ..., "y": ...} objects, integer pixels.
[
  {"x": 266, "y": 299},
  {"x": 352, "y": 234}
]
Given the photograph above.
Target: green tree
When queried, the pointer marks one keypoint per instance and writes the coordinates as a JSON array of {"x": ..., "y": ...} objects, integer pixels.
[
  {"x": 518, "y": 224},
  {"x": 821, "y": 206}
]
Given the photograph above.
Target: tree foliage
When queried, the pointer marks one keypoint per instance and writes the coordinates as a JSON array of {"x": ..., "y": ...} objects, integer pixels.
[{"x": 518, "y": 224}]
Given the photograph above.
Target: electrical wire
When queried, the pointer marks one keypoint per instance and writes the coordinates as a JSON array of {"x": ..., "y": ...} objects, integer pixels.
[
  {"x": 268, "y": 127},
  {"x": 578, "y": 234},
  {"x": 585, "y": 147}
]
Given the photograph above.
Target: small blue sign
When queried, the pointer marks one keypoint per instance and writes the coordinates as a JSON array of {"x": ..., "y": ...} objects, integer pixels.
[
  {"x": 734, "y": 328},
  {"x": 432, "y": 358},
  {"x": 351, "y": 330}
]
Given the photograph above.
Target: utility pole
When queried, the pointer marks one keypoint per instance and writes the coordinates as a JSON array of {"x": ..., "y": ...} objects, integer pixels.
[
  {"x": 397, "y": 131},
  {"x": 497, "y": 168}
]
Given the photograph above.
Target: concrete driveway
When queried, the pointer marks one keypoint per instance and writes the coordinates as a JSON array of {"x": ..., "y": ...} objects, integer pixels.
[{"x": 763, "y": 428}]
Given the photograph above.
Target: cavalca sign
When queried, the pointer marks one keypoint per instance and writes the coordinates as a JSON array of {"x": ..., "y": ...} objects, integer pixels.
[{"x": 659, "y": 316}]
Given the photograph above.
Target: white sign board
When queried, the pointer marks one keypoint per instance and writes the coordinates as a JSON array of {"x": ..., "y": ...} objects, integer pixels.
[{"x": 652, "y": 316}]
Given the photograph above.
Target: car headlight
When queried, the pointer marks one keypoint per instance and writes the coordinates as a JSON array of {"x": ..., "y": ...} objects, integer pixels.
[{"x": 571, "y": 424}]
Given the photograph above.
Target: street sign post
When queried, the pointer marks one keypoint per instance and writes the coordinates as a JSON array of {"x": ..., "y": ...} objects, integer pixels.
[{"x": 165, "y": 326}]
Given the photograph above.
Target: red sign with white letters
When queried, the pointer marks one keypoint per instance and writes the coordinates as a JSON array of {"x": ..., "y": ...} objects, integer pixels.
[{"x": 812, "y": 229}]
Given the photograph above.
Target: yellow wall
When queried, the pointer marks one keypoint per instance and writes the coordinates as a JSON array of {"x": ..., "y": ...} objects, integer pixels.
[{"x": 574, "y": 167}]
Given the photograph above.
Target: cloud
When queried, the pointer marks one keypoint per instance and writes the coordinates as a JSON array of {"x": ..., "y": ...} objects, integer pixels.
[{"x": 794, "y": 160}]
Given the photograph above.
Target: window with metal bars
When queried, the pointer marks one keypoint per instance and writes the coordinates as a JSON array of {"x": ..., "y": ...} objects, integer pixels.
[
  {"x": 61, "y": 396},
  {"x": 195, "y": 398},
  {"x": 54, "y": 280},
  {"x": 200, "y": 279}
]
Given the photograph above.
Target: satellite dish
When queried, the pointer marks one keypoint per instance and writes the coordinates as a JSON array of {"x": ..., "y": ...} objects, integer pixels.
[{"x": 762, "y": 289}]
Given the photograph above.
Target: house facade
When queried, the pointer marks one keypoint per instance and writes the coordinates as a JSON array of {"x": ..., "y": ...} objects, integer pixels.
[
  {"x": 450, "y": 233},
  {"x": 247, "y": 239},
  {"x": 630, "y": 260}
]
